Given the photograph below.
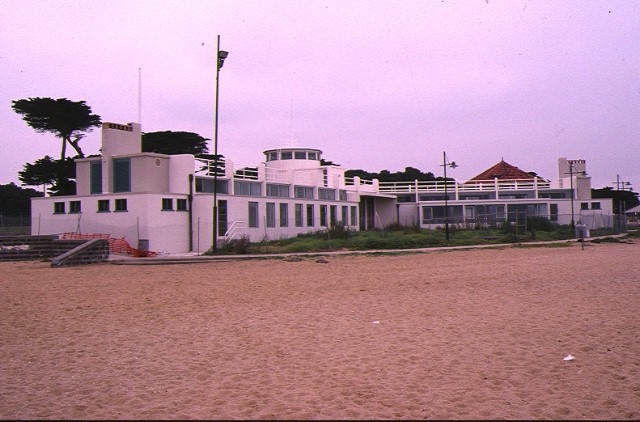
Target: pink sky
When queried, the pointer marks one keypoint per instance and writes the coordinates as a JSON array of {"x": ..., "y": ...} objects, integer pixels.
[{"x": 374, "y": 84}]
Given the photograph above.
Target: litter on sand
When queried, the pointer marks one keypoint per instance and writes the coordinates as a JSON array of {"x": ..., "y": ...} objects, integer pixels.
[{"x": 569, "y": 357}]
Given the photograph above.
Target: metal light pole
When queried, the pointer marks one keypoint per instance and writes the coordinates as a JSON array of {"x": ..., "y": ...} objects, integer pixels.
[
  {"x": 220, "y": 56},
  {"x": 584, "y": 173},
  {"x": 453, "y": 165}
]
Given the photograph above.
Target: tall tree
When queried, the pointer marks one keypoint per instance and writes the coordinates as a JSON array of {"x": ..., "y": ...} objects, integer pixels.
[
  {"x": 171, "y": 143},
  {"x": 622, "y": 199},
  {"x": 59, "y": 174},
  {"x": 66, "y": 119},
  {"x": 15, "y": 200}
]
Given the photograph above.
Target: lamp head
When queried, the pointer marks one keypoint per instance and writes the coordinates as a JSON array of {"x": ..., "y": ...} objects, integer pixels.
[
  {"x": 453, "y": 165},
  {"x": 221, "y": 56}
]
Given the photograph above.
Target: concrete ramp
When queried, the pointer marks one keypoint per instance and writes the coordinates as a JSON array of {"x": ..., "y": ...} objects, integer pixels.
[{"x": 89, "y": 252}]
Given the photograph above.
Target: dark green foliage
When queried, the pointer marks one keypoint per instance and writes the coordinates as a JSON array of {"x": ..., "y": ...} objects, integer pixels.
[
  {"x": 66, "y": 119},
  {"x": 15, "y": 200},
  {"x": 339, "y": 231},
  {"x": 625, "y": 199},
  {"x": 233, "y": 247},
  {"x": 541, "y": 224},
  {"x": 408, "y": 175},
  {"x": 59, "y": 174},
  {"x": 172, "y": 143}
]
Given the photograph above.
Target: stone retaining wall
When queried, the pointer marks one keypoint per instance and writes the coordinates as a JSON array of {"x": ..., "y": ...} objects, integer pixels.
[{"x": 44, "y": 247}]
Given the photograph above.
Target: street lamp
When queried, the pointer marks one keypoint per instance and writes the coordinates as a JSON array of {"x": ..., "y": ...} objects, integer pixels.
[
  {"x": 220, "y": 56},
  {"x": 584, "y": 173},
  {"x": 453, "y": 165}
]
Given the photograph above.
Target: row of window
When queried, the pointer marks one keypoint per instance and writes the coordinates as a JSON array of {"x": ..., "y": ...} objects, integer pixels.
[
  {"x": 104, "y": 205},
  {"x": 304, "y": 215},
  {"x": 121, "y": 176},
  {"x": 274, "y": 190}
]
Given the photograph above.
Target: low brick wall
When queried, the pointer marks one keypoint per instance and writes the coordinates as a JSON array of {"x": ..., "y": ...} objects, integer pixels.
[
  {"x": 25, "y": 247},
  {"x": 44, "y": 247},
  {"x": 87, "y": 252}
]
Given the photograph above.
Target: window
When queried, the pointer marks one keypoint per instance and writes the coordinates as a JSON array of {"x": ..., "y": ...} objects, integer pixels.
[
  {"x": 333, "y": 214},
  {"x": 300, "y": 155},
  {"x": 354, "y": 215},
  {"x": 208, "y": 185},
  {"x": 121, "y": 204},
  {"x": 167, "y": 204},
  {"x": 299, "y": 217},
  {"x": 312, "y": 156},
  {"x": 272, "y": 156},
  {"x": 595, "y": 205},
  {"x": 303, "y": 192},
  {"x": 553, "y": 212},
  {"x": 281, "y": 191},
  {"x": 284, "y": 215},
  {"x": 75, "y": 207},
  {"x": 323, "y": 215},
  {"x": 58, "y": 208},
  {"x": 222, "y": 217},
  {"x": 181, "y": 204},
  {"x": 246, "y": 188},
  {"x": 271, "y": 214},
  {"x": 253, "y": 214},
  {"x": 327, "y": 194},
  {"x": 122, "y": 175},
  {"x": 286, "y": 155},
  {"x": 427, "y": 214},
  {"x": 584, "y": 205},
  {"x": 95, "y": 177},
  {"x": 310, "y": 215},
  {"x": 342, "y": 194},
  {"x": 103, "y": 205},
  {"x": 345, "y": 215}
]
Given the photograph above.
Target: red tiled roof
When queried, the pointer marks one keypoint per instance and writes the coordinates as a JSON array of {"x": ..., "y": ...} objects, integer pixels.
[{"x": 503, "y": 171}]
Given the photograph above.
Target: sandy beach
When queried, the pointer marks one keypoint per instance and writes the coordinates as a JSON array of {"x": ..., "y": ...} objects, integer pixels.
[{"x": 465, "y": 334}]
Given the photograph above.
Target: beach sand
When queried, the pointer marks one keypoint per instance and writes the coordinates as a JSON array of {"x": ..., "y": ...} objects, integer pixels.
[{"x": 464, "y": 334}]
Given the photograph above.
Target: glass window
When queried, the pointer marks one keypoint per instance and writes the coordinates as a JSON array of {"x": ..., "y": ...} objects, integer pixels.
[
  {"x": 300, "y": 155},
  {"x": 181, "y": 204},
  {"x": 271, "y": 214},
  {"x": 323, "y": 216},
  {"x": 342, "y": 195},
  {"x": 595, "y": 205},
  {"x": 167, "y": 204},
  {"x": 75, "y": 207},
  {"x": 208, "y": 185},
  {"x": 253, "y": 214},
  {"x": 286, "y": 155},
  {"x": 284, "y": 215},
  {"x": 312, "y": 156},
  {"x": 333, "y": 214},
  {"x": 281, "y": 191},
  {"x": 121, "y": 204},
  {"x": 58, "y": 208},
  {"x": 95, "y": 176},
  {"x": 310, "y": 222},
  {"x": 122, "y": 175},
  {"x": 427, "y": 214},
  {"x": 354, "y": 215},
  {"x": 272, "y": 156},
  {"x": 299, "y": 216},
  {"x": 304, "y": 192},
  {"x": 584, "y": 205},
  {"x": 246, "y": 188},
  {"x": 345, "y": 215},
  {"x": 103, "y": 205},
  {"x": 327, "y": 194}
]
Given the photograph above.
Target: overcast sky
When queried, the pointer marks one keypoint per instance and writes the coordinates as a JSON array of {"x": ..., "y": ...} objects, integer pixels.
[{"x": 374, "y": 84}]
